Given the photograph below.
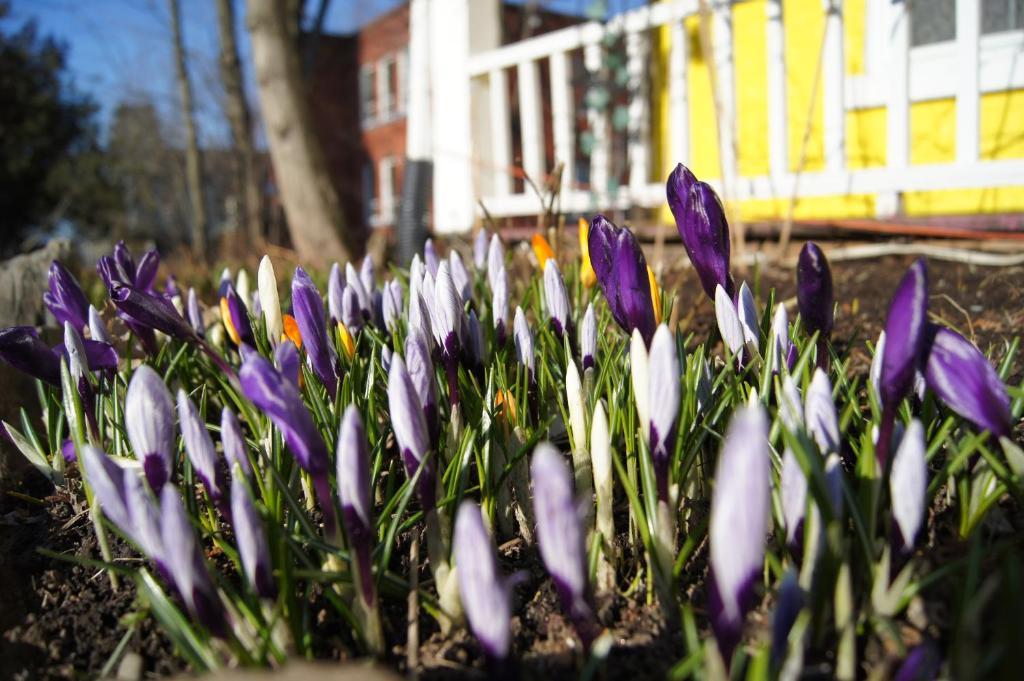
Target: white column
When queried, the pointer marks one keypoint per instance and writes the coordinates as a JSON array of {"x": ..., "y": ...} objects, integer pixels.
[
  {"x": 562, "y": 114},
  {"x": 898, "y": 102},
  {"x": 637, "y": 66},
  {"x": 501, "y": 132},
  {"x": 417, "y": 125},
  {"x": 968, "y": 33},
  {"x": 600, "y": 154},
  {"x": 530, "y": 124},
  {"x": 778, "y": 128},
  {"x": 678, "y": 105},
  {"x": 722, "y": 53},
  {"x": 834, "y": 87},
  {"x": 384, "y": 107}
]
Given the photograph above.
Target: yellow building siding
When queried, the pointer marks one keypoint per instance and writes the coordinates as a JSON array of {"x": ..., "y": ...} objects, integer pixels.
[{"x": 932, "y": 125}]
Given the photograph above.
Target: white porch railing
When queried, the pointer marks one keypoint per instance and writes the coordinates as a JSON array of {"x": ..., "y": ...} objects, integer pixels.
[{"x": 898, "y": 75}]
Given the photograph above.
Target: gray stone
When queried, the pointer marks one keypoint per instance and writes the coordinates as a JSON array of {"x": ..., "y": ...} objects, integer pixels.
[{"x": 23, "y": 281}]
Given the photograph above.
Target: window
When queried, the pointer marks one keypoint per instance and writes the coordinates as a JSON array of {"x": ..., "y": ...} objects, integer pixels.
[
  {"x": 367, "y": 94},
  {"x": 387, "y": 173},
  {"x": 402, "y": 80},
  {"x": 384, "y": 99},
  {"x": 1002, "y": 15},
  {"x": 934, "y": 21},
  {"x": 369, "y": 193}
]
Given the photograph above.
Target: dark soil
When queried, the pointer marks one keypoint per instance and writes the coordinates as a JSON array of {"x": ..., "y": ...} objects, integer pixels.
[{"x": 61, "y": 620}]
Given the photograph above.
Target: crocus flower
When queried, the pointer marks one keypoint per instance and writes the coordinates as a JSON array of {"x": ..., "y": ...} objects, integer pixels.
[
  {"x": 746, "y": 310},
  {"x": 480, "y": 250},
  {"x": 367, "y": 274},
  {"x": 124, "y": 260},
  {"x": 309, "y": 314},
  {"x": 729, "y": 324},
  {"x": 820, "y": 413},
  {"x": 352, "y": 281},
  {"x": 922, "y": 663},
  {"x": 601, "y": 462},
  {"x": 391, "y": 306},
  {"x": 97, "y": 329},
  {"x": 354, "y": 495},
  {"x": 555, "y": 299},
  {"x": 225, "y": 281},
  {"x": 905, "y": 329},
  {"x": 410, "y": 429},
  {"x": 235, "y": 317},
  {"x": 587, "y": 275},
  {"x": 577, "y": 412},
  {"x": 779, "y": 350},
  {"x": 242, "y": 284},
  {"x": 251, "y": 539},
  {"x": 793, "y": 490},
  {"x": 279, "y": 399},
  {"x": 266, "y": 281},
  {"x": 447, "y": 312},
  {"x": 789, "y": 603},
  {"x": 486, "y": 594},
  {"x": 151, "y": 311},
  {"x": 560, "y": 535},
  {"x": 640, "y": 378},
  {"x": 524, "y": 342},
  {"x": 286, "y": 360},
  {"x": 233, "y": 442},
  {"x": 421, "y": 371},
  {"x": 622, "y": 273},
  {"x": 78, "y": 365},
  {"x": 21, "y": 347},
  {"x": 200, "y": 450},
  {"x": 663, "y": 403},
  {"x": 195, "y": 315},
  {"x": 499, "y": 304},
  {"x": 145, "y": 272},
  {"x": 460, "y": 276},
  {"x": 183, "y": 557},
  {"x": 814, "y": 290},
  {"x": 65, "y": 298},
  {"x": 474, "y": 333},
  {"x": 739, "y": 522},
  {"x": 351, "y": 314},
  {"x": 149, "y": 420},
  {"x": 171, "y": 288},
  {"x": 588, "y": 337},
  {"x": 107, "y": 480},
  {"x": 541, "y": 250},
  {"x": 703, "y": 228},
  {"x": 908, "y": 485},
  {"x": 430, "y": 258},
  {"x": 495, "y": 259},
  {"x": 965, "y": 381}
]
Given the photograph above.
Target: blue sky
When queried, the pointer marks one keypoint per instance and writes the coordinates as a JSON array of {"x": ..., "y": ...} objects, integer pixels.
[{"x": 120, "y": 50}]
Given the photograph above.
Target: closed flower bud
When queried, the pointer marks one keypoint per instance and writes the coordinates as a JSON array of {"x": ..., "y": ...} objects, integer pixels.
[
  {"x": 820, "y": 413},
  {"x": 151, "y": 311},
  {"x": 588, "y": 338},
  {"x": 97, "y": 329},
  {"x": 729, "y": 324},
  {"x": 65, "y": 299},
  {"x": 354, "y": 495},
  {"x": 574, "y": 401},
  {"x": 814, "y": 290},
  {"x": 460, "y": 276},
  {"x": 793, "y": 491},
  {"x": 524, "y": 341},
  {"x": 640, "y": 376},
  {"x": 251, "y": 539},
  {"x": 499, "y": 304},
  {"x": 236, "y": 317},
  {"x": 905, "y": 328},
  {"x": 621, "y": 270},
  {"x": 195, "y": 314},
  {"x": 270, "y": 300},
  {"x": 286, "y": 360},
  {"x": 391, "y": 306},
  {"x": 703, "y": 228},
  {"x": 309, "y": 315},
  {"x": 430, "y": 259},
  {"x": 410, "y": 429},
  {"x": 200, "y": 450},
  {"x": 368, "y": 275},
  {"x": 663, "y": 403},
  {"x": 486, "y": 595},
  {"x": 495, "y": 259},
  {"x": 421, "y": 370},
  {"x": 352, "y": 281},
  {"x": 335, "y": 293},
  {"x": 480, "y": 250},
  {"x": 780, "y": 343},
  {"x": 447, "y": 312},
  {"x": 149, "y": 421},
  {"x": 908, "y": 485},
  {"x": 555, "y": 299},
  {"x": 747, "y": 312},
  {"x": 739, "y": 523},
  {"x": 233, "y": 442}
]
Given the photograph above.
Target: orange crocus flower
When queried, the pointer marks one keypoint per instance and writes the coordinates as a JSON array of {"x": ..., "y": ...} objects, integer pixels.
[
  {"x": 655, "y": 295},
  {"x": 587, "y": 274},
  {"x": 541, "y": 249},
  {"x": 291, "y": 331}
]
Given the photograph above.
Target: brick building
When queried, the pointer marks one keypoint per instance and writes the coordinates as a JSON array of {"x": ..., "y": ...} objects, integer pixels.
[{"x": 360, "y": 91}]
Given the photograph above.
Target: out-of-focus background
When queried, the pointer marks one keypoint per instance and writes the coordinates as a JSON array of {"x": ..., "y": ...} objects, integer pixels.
[{"x": 319, "y": 128}]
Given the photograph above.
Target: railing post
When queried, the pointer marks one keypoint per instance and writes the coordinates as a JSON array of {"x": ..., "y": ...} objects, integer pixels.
[
  {"x": 600, "y": 154},
  {"x": 678, "y": 107},
  {"x": 562, "y": 123},
  {"x": 898, "y": 109},
  {"x": 531, "y": 126},
  {"x": 778, "y": 133},
  {"x": 834, "y": 87},
  {"x": 500, "y": 133},
  {"x": 639, "y": 123},
  {"x": 968, "y": 34},
  {"x": 724, "y": 73}
]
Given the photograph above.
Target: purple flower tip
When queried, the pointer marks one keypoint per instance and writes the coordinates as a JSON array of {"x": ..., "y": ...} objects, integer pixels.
[
  {"x": 486, "y": 597},
  {"x": 905, "y": 334},
  {"x": 814, "y": 290}
]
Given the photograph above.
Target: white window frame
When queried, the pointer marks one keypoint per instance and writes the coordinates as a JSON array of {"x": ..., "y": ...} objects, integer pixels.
[
  {"x": 385, "y": 106},
  {"x": 368, "y": 110}
]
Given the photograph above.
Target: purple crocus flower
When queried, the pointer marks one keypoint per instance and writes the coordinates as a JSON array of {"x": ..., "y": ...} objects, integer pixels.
[
  {"x": 524, "y": 342},
  {"x": 335, "y": 293},
  {"x": 555, "y": 299},
  {"x": 922, "y": 663},
  {"x": 486, "y": 594},
  {"x": 183, "y": 557},
  {"x": 663, "y": 403},
  {"x": 149, "y": 421},
  {"x": 460, "y": 276},
  {"x": 251, "y": 539},
  {"x": 239, "y": 317},
  {"x": 200, "y": 450},
  {"x": 701, "y": 222},
  {"x": 789, "y": 603},
  {"x": 150, "y": 311},
  {"x": 65, "y": 298},
  {"x": 354, "y": 495},
  {"x": 107, "y": 480},
  {"x": 430, "y": 258},
  {"x": 391, "y": 305},
  {"x": 145, "y": 273},
  {"x": 499, "y": 304},
  {"x": 233, "y": 442},
  {"x": 820, "y": 413},
  {"x": 421, "y": 371},
  {"x": 279, "y": 399},
  {"x": 195, "y": 314},
  {"x": 560, "y": 535},
  {"x": 225, "y": 281},
  {"x": 287, "y": 361},
  {"x": 621, "y": 272},
  {"x": 368, "y": 275},
  {"x": 447, "y": 310},
  {"x": 21, "y": 347},
  {"x": 793, "y": 490},
  {"x": 97, "y": 329},
  {"x": 588, "y": 337},
  {"x": 495, "y": 259},
  {"x": 962, "y": 377},
  {"x": 309, "y": 315},
  {"x": 814, "y": 290},
  {"x": 125, "y": 262},
  {"x": 729, "y": 324},
  {"x": 410, "y": 429},
  {"x": 171, "y": 288},
  {"x": 352, "y": 281},
  {"x": 780, "y": 345},
  {"x": 351, "y": 313},
  {"x": 474, "y": 340},
  {"x": 480, "y": 250},
  {"x": 908, "y": 486},
  {"x": 739, "y": 523}
]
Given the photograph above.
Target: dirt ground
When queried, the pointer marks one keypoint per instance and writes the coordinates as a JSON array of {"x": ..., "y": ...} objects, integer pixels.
[{"x": 59, "y": 620}]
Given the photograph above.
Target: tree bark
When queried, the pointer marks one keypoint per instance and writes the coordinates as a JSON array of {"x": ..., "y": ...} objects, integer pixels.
[
  {"x": 240, "y": 119},
  {"x": 315, "y": 219},
  {"x": 193, "y": 159}
]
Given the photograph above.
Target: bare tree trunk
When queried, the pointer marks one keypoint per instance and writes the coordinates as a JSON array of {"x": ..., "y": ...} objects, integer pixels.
[
  {"x": 240, "y": 119},
  {"x": 193, "y": 161},
  {"x": 315, "y": 219}
]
